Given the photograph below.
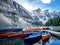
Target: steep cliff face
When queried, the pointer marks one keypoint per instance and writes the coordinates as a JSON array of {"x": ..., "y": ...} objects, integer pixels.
[
  {"x": 6, "y": 11},
  {"x": 10, "y": 15},
  {"x": 7, "y": 5},
  {"x": 21, "y": 11}
]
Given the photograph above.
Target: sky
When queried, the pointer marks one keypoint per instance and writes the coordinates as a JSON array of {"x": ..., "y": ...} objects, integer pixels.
[{"x": 53, "y": 5}]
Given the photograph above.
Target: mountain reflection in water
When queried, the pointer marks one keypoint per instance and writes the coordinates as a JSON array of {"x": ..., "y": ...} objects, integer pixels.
[
  {"x": 14, "y": 41},
  {"x": 53, "y": 41}
]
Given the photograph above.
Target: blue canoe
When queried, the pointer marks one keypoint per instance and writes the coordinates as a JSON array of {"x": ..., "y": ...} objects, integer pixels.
[
  {"x": 32, "y": 39},
  {"x": 10, "y": 30}
]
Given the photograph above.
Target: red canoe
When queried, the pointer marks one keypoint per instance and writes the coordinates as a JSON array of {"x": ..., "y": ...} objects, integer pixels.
[
  {"x": 35, "y": 28},
  {"x": 14, "y": 35},
  {"x": 45, "y": 37}
]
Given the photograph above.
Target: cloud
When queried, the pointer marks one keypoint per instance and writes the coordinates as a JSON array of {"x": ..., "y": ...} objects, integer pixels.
[
  {"x": 27, "y": 5},
  {"x": 30, "y": 4},
  {"x": 46, "y": 1}
]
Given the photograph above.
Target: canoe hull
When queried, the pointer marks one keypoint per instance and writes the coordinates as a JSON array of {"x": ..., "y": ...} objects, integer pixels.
[
  {"x": 45, "y": 38},
  {"x": 32, "y": 40},
  {"x": 13, "y": 35}
]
